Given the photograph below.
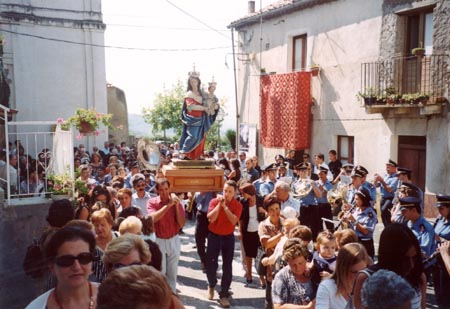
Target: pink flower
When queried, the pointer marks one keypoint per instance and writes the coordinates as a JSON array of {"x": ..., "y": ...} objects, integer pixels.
[
  {"x": 79, "y": 136},
  {"x": 96, "y": 133},
  {"x": 59, "y": 120}
]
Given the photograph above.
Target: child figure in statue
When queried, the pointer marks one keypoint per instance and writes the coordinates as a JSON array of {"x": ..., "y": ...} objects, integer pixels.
[{"x": 198, "y": 115}]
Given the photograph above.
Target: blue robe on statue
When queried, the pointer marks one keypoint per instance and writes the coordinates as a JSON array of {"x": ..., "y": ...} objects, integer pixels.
[{"x": 195, "y": 126}]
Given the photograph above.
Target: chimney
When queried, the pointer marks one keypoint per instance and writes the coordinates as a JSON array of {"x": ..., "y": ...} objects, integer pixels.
[{"x": 251, "y": 7}]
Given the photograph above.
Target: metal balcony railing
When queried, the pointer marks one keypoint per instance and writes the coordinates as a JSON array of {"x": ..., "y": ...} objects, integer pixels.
[
  {"x": 426, "y": 75},
  {"x": 31, "y": 142}
]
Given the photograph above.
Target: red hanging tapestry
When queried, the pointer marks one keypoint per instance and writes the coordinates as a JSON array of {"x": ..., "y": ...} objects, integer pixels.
[{"x": 286, "y": 110}]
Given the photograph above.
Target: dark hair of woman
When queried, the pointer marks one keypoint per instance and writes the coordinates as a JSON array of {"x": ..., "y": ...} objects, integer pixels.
[
  {"x": 225, "y": 163},
  {"x": 395, "y": 241},
  {"x": 270, "y": 200},
  {"x": 65, "y": 234}
]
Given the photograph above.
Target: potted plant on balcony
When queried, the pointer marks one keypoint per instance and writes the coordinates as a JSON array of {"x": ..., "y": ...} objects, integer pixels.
[
  {"x": 418, "y": 51},
  {"x": 315, "y": 69},
  {"x": 61, "y": 186},
  {"x": 88, "y": 121},
  {"x": 423, "y": 97},
  {"x": 369, "y": 96}
]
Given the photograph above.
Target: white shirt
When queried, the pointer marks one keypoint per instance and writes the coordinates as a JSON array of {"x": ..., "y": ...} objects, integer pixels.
[
  {"x": 327, "y": 298},
  {"x": 292, "y": 202},
  {"x": 40, "y": 302},
  {"x": 140, "y": 202},
  {"x": 253, "y": 219}
]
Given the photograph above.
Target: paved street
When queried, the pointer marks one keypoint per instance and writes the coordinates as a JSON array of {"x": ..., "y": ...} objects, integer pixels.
[{"x": 192, "y": 284}]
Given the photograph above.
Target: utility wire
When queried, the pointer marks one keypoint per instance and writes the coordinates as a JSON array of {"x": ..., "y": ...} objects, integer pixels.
[
  {"x": 203, "y": 23},
  {"x": 159, "y": 27},
  {"x": 115, "y": 47}
]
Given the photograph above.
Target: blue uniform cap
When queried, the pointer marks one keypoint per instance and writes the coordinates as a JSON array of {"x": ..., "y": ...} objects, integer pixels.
[
  {"x": 302, "y": 166},
  {"x": 404, "y": 171},
  {"x": 362, "y": 170},
  {"x": 410, "y": 190},
  {"x": 442, "y": 200},
  {"x": 408, "y": 201},
  {"x": 271, "y": 167},
  {"x": 392, "y": 162}
]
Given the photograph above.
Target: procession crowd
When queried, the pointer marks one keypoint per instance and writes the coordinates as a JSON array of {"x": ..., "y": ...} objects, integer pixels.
[{"x": 120, "y": 246}]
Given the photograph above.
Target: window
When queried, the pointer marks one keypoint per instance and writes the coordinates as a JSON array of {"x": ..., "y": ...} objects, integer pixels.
[
  {"x": 299, "y": 53},
  {"x": 420, "y": 32},
  {"x": 345, "y": 149}
]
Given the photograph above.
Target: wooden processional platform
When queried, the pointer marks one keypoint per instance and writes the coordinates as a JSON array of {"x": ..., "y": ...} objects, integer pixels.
[{"x": 194, "y": 176}]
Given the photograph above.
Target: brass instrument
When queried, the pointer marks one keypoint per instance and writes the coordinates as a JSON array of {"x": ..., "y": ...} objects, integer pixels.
[
  {"x": 148, "y": 155},
  {"x": 302, "y": 187},
  {"x": 341, "y": 216},
  {"x": 336, "y": 198}
]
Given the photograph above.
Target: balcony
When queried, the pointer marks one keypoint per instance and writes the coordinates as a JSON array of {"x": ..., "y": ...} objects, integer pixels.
[{"x": 407, "y": 85}]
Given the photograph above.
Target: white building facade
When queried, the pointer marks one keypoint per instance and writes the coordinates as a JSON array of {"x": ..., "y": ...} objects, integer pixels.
[
  {"x": 360, "y": 46},
  {"x": 54, "y": 58}
]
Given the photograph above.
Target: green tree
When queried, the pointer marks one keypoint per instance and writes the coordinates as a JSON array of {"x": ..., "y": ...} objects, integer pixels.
[
  {"x": 214, "y": 141},
  {"x": 166, "y": 111},
  {"x": 231, "y": 136}
]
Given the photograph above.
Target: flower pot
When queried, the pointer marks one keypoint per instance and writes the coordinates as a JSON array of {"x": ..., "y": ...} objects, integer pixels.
[
  {"x": 315, "y": 71},
  {"x": 419, "y": 53},
  {"x": 86, "y": 128},
  {"x": 58, "y": 197},
  {"x": 370, "y": 101}
]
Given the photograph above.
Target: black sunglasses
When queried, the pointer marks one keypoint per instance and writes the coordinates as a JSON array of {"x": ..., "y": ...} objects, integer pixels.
[{"x": 68, "y": 260}]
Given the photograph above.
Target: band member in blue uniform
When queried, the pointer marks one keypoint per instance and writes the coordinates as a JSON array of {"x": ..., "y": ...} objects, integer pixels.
[
  {"x": 363, "y": 220},
  {"x": 387, "y": 184},
  {"x": 442, "y": 229},
  {"x": 307, "y": 192},
  {"x": 324, "y": 186},
  {"x": 422, "y": 229}
]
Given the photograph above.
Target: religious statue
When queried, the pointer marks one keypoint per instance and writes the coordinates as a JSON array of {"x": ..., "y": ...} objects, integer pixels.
[{"x": 199, "y": 112}]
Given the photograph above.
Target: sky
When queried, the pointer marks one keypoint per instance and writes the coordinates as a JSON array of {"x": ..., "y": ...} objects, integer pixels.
[{"x": 169, "y": 30}]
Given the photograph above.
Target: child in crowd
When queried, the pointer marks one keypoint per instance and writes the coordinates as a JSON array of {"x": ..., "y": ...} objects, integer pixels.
[{"x": 324, "y": 259}]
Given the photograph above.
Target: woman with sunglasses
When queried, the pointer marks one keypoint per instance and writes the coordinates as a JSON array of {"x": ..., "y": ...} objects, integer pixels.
[
  {"x": 335, "y": 292},
  {"x": 69, "y": 255}
]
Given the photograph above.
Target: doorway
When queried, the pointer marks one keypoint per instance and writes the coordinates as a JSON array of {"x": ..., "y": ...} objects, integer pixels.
[{"x": 412, "y": 155}]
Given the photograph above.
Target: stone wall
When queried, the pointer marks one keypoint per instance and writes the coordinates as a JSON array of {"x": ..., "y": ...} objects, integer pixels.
[{"x": 19, "y": 223}]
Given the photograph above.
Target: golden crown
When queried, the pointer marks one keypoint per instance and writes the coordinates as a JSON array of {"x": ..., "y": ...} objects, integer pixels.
[
  {"x": 212, "y": 83},
  {"x": 194, "y": 73}
]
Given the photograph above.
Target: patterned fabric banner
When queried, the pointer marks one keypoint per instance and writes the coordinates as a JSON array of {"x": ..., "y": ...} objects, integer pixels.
[{"x": 286, "y": 110}]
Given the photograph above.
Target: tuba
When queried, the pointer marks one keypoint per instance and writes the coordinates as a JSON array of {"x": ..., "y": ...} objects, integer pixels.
[
  {"x": 148, "y": 155},
  {"x": 302, "y": 187}
]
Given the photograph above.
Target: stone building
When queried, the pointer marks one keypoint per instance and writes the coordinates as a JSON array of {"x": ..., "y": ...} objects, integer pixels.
[
  {"x": 54, "y": 59},
  {"x": 361, "y": 47},
  {"x": 117, "y": 105}
]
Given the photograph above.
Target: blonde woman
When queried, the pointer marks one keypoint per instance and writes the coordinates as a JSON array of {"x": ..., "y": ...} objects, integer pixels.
[
  {"x": 335, "y": 292},
  {"x": 128, "y": 249},
  {"x": 103, "y": 223}
]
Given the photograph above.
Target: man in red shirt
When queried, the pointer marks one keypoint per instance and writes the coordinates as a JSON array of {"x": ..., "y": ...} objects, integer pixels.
[
  {"x": 223, "y": 214},
  {"x": 168, "y": 218}
]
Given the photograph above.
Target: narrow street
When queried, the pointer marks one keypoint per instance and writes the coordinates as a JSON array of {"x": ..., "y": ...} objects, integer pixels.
[{"x": 192, "y": 284}]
